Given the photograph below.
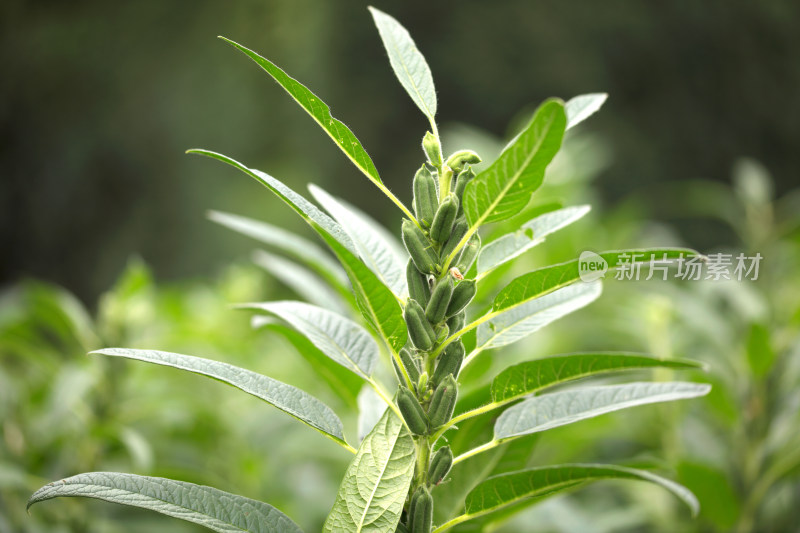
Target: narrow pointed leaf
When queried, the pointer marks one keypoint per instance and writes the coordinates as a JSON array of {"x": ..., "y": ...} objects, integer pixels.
[
  {"x": 374, "y": 488},
  {"x": 548, "y": 411},
  {"x": 209, "y": 507},
  {"x": 287, "y": 398},
  {"x": 298, "y": 247},
  {"x": 377, "y": 303},
  {"x": 318, "y": 220},
  {"x": 300, "y": 280},
  {"x": 532, "y": 484},
  {"x": 339, "y": 338},
  {"x": 529, "y": 235},
  {"x": 505, "y": 188},
  {"x": 407, "y": 62},
  {"x": 319, "y": 111},
  {"x": 379, "y": 253},
  {"x": 513, "y": 323},
  {"x": 532, "y": 376},
  {"x": 545, "y": 280},
  {"x": 582, "y": 107}
]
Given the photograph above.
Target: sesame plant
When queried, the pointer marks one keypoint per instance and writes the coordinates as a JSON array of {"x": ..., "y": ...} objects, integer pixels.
[{"x": 400, "y": 321}]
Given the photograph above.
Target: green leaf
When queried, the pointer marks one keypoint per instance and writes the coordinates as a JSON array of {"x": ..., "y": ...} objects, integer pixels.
[
  {"x": 544, "y": 280},
  {"x": 407, "y": 62},
  {"x": 582, "y": 107},
  {"x": 374, "y": 488},
  {"x": 315, "y": 218},
  {"x": 287, "y": 398},
  {"x": 377, "y": 302},
  {"x": 532, "y": 376},
  {"x": 206, "y": 506},
  {"x": 513, "y": 323},
  {"x": 296, "y": 246},
  {"x": 380, "y": 251},
  {"x": 300, "y": 280},
  {"x": 505, "y": 188},
  {"x": 339, "y": 338},
  {"x": 526, "y": 237},
  {"x": 319, "y": 111},
  {"x": 370, "y": 410},
  {"x": 504, "y": 490},
  {"x": 548, "y": 411}
]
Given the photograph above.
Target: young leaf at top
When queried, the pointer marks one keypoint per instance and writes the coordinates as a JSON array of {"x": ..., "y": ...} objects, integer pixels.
[
  {"x": 302, "y": 281},
  {"x": 380, "y": 254},
  {"x": 533, "y": 484},
  {"x": 548, "y": 411},
  {"x": 530, "y": 234},
  {"x": 582, "y": 107},
  {"x": 374, "y": 488},
  {"x": 505, "y": 188},
  {"x": 298, "y": 247},
  {"x": 513, "y": 323},
  {"x": 407, "y": 62},
  {"x": 321, "y": 113},
  {"x": 339, "y": 338},
  {"x": 287, "y": 398},
  {"x": 209, "y": 507}
]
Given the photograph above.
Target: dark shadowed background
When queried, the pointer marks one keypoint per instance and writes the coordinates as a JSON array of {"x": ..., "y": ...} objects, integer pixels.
[{"x": 98, "y": 101}]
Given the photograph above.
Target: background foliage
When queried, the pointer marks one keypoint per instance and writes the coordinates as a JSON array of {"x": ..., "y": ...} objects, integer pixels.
[{"x": 104, "y": 99}]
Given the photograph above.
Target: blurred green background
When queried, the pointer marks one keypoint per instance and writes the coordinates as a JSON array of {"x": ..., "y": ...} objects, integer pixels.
[{"x": 105, "y": 240}]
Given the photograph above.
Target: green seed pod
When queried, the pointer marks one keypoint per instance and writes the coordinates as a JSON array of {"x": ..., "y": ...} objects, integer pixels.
[
  {"x": 426, "y": 198},
  {"x": 456, "y": 234},
  {"x": 418, "y": 287},
  {"x": 421, "y": 511},
  {"x": 469, "y": 253},
  {"x": 411, "y": 364},
  {"x": 430, "y": 144},
  {"x": 419, "y": 329},
  {"x": 422, "y": 381},
  {"x": 420, "y": 248},
  {"x": 449, "y": 361},
  {"x": 441, "y": 463},
  {"x": 461, "y": 158},
  {"x": 464, "y": 177},
  {"x": 440, "y": 300},
  {"x": 412, "y": 411},
  {"x": 443, "y": 402},
  {"x": 463, "y": 294},
  {"x": 444, "y": 219},
  {"x": 456, "y": 323}
]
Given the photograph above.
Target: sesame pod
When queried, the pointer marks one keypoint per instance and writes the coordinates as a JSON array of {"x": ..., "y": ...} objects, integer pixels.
[
  {"x": 418, "y": 287},
  {"x": 464, "y": 177},
  {"x": 449, "y": 361},
  {"x": 441, "y": 463},
  {"x": 469, "y": 253},
  {"x": 456, "y": 234},
  {"x": 440, "y": 300},
  {"x": 461, "y": 158},
  {"x": 433, "y": 151},
  {"x": 455, "y": 323},
  {"x": 421, "y": 511},
  {"x": 463, "y": 294},
  {"x": 444, "y": 219},
  {"x": 426, "y": 199},
  {"x": 422, "y": 381},
  {"x": 419, "y": 329},
  {"x": 419, "y": 247},
  {"x": 412, "y": 411},
  {"x": 443, "y": 402},
  {"x": 411, "y": 364}
]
